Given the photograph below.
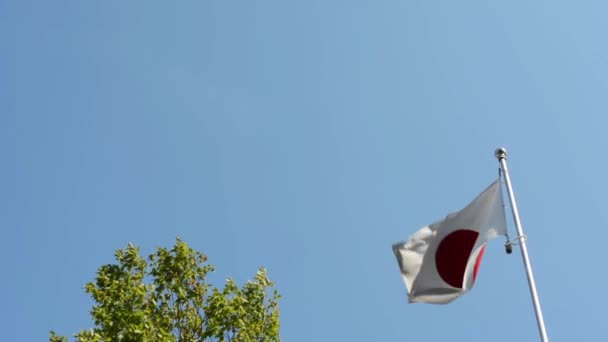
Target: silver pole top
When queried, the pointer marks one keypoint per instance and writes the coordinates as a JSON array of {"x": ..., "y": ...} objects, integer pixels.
[{"x": 501, "y": 153}]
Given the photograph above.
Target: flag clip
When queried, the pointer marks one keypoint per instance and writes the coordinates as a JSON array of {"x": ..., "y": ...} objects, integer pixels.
[{"x": 515, "y": 242}]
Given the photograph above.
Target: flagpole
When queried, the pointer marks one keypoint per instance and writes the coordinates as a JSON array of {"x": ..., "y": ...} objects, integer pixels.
[{"x": 501, "y": 155}]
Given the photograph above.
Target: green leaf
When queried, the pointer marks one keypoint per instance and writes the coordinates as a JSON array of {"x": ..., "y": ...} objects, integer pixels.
[{"x": 166, "y": 297}]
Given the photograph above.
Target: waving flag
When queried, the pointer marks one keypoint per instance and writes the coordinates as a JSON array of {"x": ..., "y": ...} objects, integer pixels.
[{"x": 440, "y": 262}]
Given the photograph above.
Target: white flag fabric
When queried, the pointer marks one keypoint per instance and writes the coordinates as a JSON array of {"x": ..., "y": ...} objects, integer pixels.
[{"x": 440, "y": 262}]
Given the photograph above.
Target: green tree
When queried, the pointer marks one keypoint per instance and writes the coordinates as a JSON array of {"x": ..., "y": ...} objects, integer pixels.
[{"x": 166, "y": 297}]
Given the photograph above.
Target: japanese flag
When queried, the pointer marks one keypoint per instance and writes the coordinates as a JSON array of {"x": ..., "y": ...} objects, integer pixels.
[{"x": 440, "y": 262}]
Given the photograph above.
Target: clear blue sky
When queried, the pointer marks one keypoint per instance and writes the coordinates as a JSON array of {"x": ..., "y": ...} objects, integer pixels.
[{"x": 305, "y": 137}]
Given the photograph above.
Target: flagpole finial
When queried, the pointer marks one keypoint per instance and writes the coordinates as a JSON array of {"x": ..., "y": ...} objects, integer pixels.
[{"x": 501, "y": 153}]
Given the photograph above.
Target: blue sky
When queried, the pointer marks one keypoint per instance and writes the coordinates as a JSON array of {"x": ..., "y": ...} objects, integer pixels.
[{"x": 306, "y": 137}]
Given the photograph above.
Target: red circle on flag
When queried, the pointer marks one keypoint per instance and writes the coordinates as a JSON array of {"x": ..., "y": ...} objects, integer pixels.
[
  {"x": 453, "y": 254},
  {"x": 478, "y": 262}
]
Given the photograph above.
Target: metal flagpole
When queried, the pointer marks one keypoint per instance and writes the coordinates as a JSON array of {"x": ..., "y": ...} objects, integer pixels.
[{"x": 501, "y": 155}]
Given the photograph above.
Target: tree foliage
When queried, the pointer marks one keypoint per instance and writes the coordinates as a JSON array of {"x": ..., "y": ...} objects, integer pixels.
[{"x": 166, "y": 297}]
